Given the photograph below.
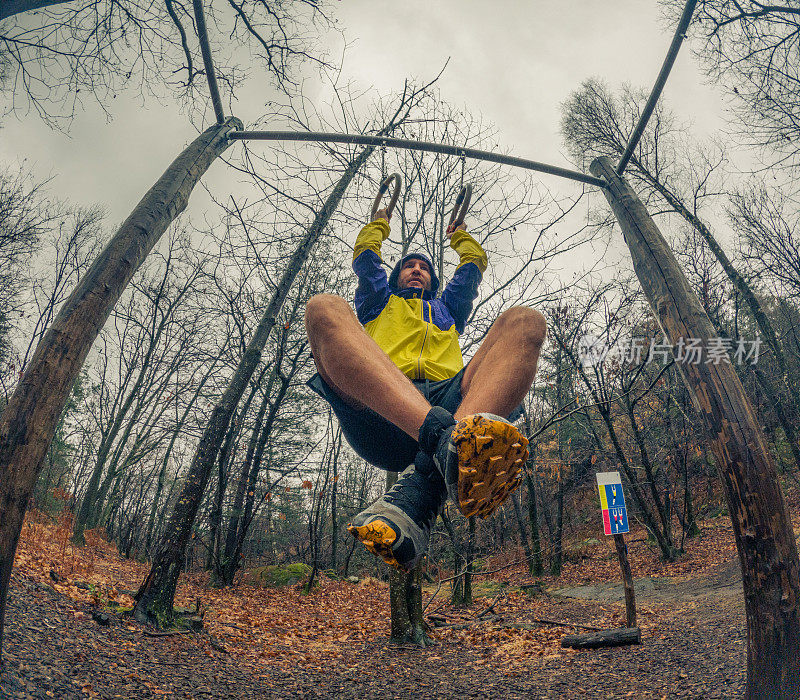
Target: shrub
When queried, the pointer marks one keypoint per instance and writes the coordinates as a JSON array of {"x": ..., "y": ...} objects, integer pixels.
[{"x": 276, "y": 576}]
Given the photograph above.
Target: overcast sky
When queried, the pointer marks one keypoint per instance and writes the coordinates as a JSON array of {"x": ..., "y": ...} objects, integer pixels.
[{"x": 514, "y": 61}]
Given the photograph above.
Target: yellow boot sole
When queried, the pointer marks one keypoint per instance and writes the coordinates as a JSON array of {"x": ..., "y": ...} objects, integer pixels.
[
  {"x": 491, "y": 454},
  {"x": 378, "y": 538}
]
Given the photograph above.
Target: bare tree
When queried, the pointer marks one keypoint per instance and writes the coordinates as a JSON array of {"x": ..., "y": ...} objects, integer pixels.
[
  {"x": 752, "y": 48},
  {"x": 28, "y": 422},
  {"x": 155, "y": 597},
  {"x": 612, "y": 389},
  {"x": 596, "y": 123},
  {"x": 23, "y": 220},
  {"x": 768, "y": 222},
  {"x": 57, "y": 52},
  {"x": 155, "y": 340},
  {"x": 64, "y": 254}
]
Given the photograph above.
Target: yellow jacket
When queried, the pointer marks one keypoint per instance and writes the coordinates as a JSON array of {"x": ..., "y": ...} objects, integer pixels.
[{"x": 416, "y": 329}]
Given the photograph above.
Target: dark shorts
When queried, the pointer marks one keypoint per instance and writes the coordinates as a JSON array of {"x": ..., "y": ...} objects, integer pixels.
[{"x": 377, "y": 440}]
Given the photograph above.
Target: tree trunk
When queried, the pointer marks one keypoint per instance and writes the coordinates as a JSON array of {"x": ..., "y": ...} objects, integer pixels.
[
  {"x": 405, "y": 596},
  {"x": 316, "y": 520},
  {"x": 457, "y": 592},
  {"x": 557, "y": 539},
  {"x": 334, "y": 514},
  {"x": 346, "y": 565},
  {"x": 216, "y": 561},
  {"x": 29, "y": 420},
  {"x": 215, "y": 514},
  {"x": 523, "y": 534},
  {"x": 88, "y": 515},
  {"x": 241, "y": 487},
  {"x": 162, "y": 474},
  {"x": 662, "y": 507},
  {"x": 467, "y": 590},
  {"x": 535, "y": 566},
  {"x": 689, "y": 524},
  {"x": 558, "y": 536},
  {"x": 605, "y": 638},
  {"x": 535, "y": 563},
  {"x": 155, "y": 597},
  {"x": 499, "y": 528},
  {"x": 245, "y": 519},
  {"x": 680, "y": 455},
  {"x": 764, "y": 538},
  {"x": 89, "y": 501}
]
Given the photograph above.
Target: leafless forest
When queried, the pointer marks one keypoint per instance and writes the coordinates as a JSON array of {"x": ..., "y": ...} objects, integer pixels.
[{"x": 188, "y": 437}]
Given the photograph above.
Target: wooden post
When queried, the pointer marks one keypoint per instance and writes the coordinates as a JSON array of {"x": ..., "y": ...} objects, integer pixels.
[
  {"x": 761, "y": 525},
  {"x": 627, "y": 580},
  {"x": 400, "y": 624},
  {"x": 405, "y": 600}
]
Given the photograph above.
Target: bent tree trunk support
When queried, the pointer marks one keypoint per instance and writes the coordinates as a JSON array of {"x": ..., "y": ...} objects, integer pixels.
[
  {"x": 29, "y": 420},
  {"x": 767, "y": 550}
]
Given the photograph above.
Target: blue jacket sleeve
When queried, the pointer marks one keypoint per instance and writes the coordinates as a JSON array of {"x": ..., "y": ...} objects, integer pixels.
[
  {"x": 463, "y": 288},
  {"x": 460, "y": 292}
]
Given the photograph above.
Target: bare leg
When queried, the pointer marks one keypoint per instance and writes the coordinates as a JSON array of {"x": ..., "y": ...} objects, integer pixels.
[
  {"x": 357, "y": 369},
  {"x": 484, "y": 456},
  {"x": 502, "y": 371}
]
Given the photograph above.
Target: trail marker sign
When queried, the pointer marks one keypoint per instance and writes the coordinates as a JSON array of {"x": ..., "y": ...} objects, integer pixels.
[{"x": 612, "y": 501}]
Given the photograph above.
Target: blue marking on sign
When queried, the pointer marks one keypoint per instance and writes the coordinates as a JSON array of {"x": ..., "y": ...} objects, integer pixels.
[
  {"x": 614, "y": 496},
  {"x": 617, "y": 513}
]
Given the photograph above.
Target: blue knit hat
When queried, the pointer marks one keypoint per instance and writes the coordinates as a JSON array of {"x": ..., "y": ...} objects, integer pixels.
[{"x": 410, "y": 256}]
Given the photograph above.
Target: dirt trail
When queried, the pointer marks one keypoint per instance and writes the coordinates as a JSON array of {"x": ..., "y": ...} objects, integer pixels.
[
  {"x": 723, "y": 580},
  {"x": 693, "y": 647}
]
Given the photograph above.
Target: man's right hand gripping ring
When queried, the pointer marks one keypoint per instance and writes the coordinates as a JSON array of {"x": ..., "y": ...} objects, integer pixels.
[{"x": 461, "y": 207}]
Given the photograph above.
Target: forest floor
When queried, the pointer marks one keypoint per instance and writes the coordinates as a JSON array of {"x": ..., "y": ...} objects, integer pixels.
[{"x": 280, "y": 643}]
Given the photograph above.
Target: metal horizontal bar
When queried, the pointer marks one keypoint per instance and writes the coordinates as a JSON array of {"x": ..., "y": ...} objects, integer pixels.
[
  {"x": 331, "y": 137},
  {"x": 672, "y": 54}
]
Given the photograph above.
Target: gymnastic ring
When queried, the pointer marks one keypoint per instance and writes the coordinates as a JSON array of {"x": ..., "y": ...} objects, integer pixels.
[
  {"x": 398, "y": 182},
  {"x": 461, "y": 207}
]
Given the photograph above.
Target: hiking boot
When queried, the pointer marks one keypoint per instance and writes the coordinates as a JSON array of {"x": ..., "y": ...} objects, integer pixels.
[
  {"x": 397, "y": 526},
  {"x": 481, "y": 459}
]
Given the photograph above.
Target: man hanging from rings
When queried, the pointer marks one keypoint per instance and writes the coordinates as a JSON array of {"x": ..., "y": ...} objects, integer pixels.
[{"x": 395, "y": 377}]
